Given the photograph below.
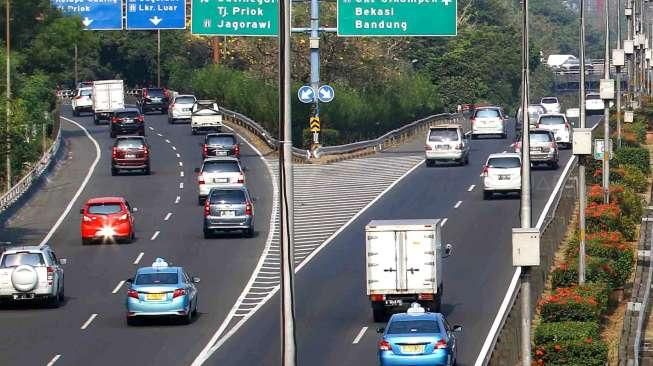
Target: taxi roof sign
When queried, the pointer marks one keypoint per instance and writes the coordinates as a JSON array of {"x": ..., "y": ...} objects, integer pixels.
[{"x": 159, "y": 263}]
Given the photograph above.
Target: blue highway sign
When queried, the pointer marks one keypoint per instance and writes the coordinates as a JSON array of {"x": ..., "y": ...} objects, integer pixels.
[
  {"x": 156, "y": 14},
  {"x": 96, "y": 15},
  {"x": 306, "y": 94},
  {"x": 325, "y": 94}
]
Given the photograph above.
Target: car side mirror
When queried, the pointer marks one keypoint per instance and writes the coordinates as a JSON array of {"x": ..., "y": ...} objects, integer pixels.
[
  {"x": 245, "y": 169},
  {"x": 448, "y": 250},
  {"x": 254, "y": 199},
  {"x": 129, "y": 280},
  {"x": 63, "y": 261},
  {"x": 196, "y": 170},
  {"x": 195, "y": 279},
  {"x": 380, "y": 330},
  {"x": 135, "y": 209},
  {"x": 457, "y": 328},
  {"x": 81, "y": 211}
]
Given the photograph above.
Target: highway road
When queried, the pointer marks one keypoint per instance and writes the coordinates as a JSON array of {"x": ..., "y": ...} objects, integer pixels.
[
  {"x": 333, "y": 314},
  {"x": 35, "y": 336}
]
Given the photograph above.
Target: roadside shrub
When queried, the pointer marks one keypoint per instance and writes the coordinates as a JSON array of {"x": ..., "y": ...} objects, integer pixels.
[
  {"x": 564, "y": 276},
  {"x": 565, "y": 331},
  {"x": 635, "y": 156},
  {"x": 628, "y": 227},
  {"x": 639, "y": 130},
  {"x": 631, "y": 204},
  {"x": 602, "y": 217},
  {"x": 576, "y": 303},
  {"x": 595, "y": 193},
  {"x": 586, "y": 352},
  {"x": 616, "y": 175},
  {"x": 634, "y": 178}
]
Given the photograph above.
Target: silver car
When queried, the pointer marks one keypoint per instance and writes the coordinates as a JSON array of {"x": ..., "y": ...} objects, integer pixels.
[
  {"x": 558, "y": 124},
  {"x": 181, "y": 108},
  {"x": 488, "y": 121},
  {"x": 551, "y": 104},
  {"x": 544, "y": 149},
  {"x": 447, "y": 143},
  {"x": 229, "y": 208},
  {"x": 218, "y": 172}
]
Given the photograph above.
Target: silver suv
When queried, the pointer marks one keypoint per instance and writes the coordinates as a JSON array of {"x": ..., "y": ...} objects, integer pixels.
[
  {"x": 447, "y": 142},
  {"x": 543, "y": 146},
  {"x": 229, "y": 209},
  {"x": 31, "y": 273}
]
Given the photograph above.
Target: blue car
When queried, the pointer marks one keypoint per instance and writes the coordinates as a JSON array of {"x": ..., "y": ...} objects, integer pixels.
[
  {"x": 161, "y": 290},
  {"x": 417, "y": 338}
]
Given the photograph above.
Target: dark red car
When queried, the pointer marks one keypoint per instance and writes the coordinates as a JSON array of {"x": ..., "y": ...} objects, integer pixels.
[{"x": 130, "y": 153}]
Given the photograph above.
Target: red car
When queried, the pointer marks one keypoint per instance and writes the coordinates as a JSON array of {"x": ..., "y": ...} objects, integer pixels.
[{"x": 107, "y": 219}]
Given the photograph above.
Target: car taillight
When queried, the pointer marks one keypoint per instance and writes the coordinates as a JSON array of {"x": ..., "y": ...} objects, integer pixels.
[
  {"x": 567, "y": 125},
  {"x": 459, "y": 147},
  {"x": 166, "y": 93},
  {"x": 377, "y": 297},
  {"x": 114, "y": 152},
  {"x": 50, "y": 275},
  {"x": 552, "y": 145},
  {"x": 115, "y": 119},
  {"x": 425, "y": 296},
  {"x": 485, "y": 171},
  {"x": 140, "y": 119},
  {"x": 384, "y": 345},
  {"x": 205, "y": 150},
  {"x": 441, "y": 344},
  {"x": 200, "y": 179},
  {"x": 248, "y": 209},
  {"x": 132, "y": 293},
  {"x": 144, "y": 93},
  {"x": 172, "y": 106},
  {"x": 427, "y": 147},
  {"x": 236, "y": 150},
  {"x": 241, "y": 179},
  {"x": 146, "y": 151},
  {"x": 178, "y": 292},
  {"x": 207, "y": 207},
  {"x": 86, "y": 218}
]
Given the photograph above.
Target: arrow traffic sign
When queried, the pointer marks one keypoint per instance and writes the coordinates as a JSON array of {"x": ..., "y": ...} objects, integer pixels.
[
  {"x": 306, "y": 94},
  {"x": 95, "y": 15},
  {"x": 314, "y": 124},
  {"x": 156, "y": 14},
  {"x": 326, "y": 93}
]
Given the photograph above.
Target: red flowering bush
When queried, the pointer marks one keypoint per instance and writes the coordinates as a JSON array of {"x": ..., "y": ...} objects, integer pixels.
[
  {"x": 586, "y": 352},
  {"x": 595, "y": 193},
  {"x": 605, "y": 237},
  {"x": 602, "y": 217},
  {"x": 575, "y": 303}
]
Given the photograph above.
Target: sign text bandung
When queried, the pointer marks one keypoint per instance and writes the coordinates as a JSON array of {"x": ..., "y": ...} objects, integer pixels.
[
  {"x": 235, "y": 17},
  {"x": 156, "y": 14},
  {"x": 95, "y": 14},
  {"x": 397, "y": 17}
]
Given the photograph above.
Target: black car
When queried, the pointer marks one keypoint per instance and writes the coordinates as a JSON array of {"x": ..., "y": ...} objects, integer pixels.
[
  {"x": 220, "y": 144},
  {"x": 127, "y": 121},
  {"x": 154, "y": 99}
]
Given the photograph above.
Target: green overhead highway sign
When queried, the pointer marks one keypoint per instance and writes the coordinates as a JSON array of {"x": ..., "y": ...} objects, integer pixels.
[
  {"x": 397, "y": 17},
  {"x": 235, "y": 17}
]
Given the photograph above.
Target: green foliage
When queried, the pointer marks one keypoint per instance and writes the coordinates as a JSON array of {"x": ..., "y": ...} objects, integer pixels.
[
  {"x": 631, "y": 204},
  {"x": 634, "y": 178},
  {"x": 635, "y": 156},
  {"x": 587, "y": 352},
  {"x": 578, "y": 303},
  {"x": 639, "y": 129},
  {"x": 565, "y": 331}
]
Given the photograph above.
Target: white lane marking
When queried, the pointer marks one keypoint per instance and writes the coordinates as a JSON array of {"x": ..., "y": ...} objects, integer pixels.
[
  {"x": 151, "y": 128},
  {"x": 181, "y": 185},
  {"x": 156, "y": 233},
  {"x": 88, "y": 322},
  {"x": 458, "y": 204},
  {"x": 174, "y": 148},
  {"x": 177, "y": 199},
  {"x": 359, "y": 335},
  {"x": 179, "y": 156},
  {"x": 53, "y": 360},
  {"x": 90, "y": 172},
  {"x": 181, "y": 174},
  {"x": 218, "y": 340},
  {"x": 160, "y": 135},
  {"x": 138, "y": 259},
  {"x": 115, "y": 290},
  {"x": 181, "y": 164},
  {"x": 167, "y": 216},
  {"x": 471, "y": 188},
  {"x": 168, "y": 141},
  {"x": 444, "y": 221}
]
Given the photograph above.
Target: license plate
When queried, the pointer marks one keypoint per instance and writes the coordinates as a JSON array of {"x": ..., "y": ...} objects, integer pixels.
[
  {"x": 412, "y": 348},
  {"x": 128, "y": 120},
  {"x": 185, "y": 109},
  {"x": 442, "y": 147},
  {"x": 536, "y": 149},
  {"x": 130, "y": 156},
  {"x": 156, "y": 297},
  {"x": 23, "y": 296},
  {"x": 394, "y": 302},
  {"x": 228, "y": 213},
  {"x": 220, "y": 180},
  {"x": 156, "y": 99},
  {"x": 221, "y": 153},
  {"x": 504, "y": 177}
]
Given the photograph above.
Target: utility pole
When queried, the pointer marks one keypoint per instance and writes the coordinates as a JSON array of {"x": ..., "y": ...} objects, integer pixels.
[
  {"x": 289, "y": 352},
  {"x": 618, "y": 70},
  {"x": 606, "y": 113},
  {"x": 8, "y": 116},
  {"x": 76, "y": 68},
  {"x": 315, "y": 60},
  {"x": 525, "y": 194},
  {"x": 158, "y": 58},
  {"x": 215, "y": 50},
  {"x": 582, "y": 195}
]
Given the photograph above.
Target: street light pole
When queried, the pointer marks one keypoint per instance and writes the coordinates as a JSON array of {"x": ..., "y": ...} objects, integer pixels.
[
  {"x": 8, "y": 116},
  {"x": 315, "y": 60},
  {"x": 581, "y": 161},
  {"x": 606, "y": 113},
  {"x": 618, "y": 70},
  {"x": 158, "y": 58}
]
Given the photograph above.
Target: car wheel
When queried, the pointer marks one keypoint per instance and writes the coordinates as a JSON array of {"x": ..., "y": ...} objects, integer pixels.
[
  {"x": 96, "y": 121},
  {"x": 378, "y": 313},
  {"x": 55, "y": 301},
  {"x": 249, "y": 233},
  {"x": 429, "y": 162},
  {"x": 193, "y": 131},
  {"x": 200, "y": 201},
  {"x": 171, "y": 121},
  {"x": 112, "y": 134},
  {"x": 141, "y": 132},
  {"x": 114, "y": 171},
  {"x": 75, "y": 113},
  {"x": 188, "y": 318},
  {"x": 467, "y": 160},
  {"x": 62, "y": 295},
  {"x": 554, "y": 165},
  {"x": 132, "y": 321},
  {"x": 487, "y": 195},
  {"x": 208, "y": 234},
  {"x": 147, "y": 170},
  {"x": 195, "y": 308},
  {"x": 504, "y": 135}
]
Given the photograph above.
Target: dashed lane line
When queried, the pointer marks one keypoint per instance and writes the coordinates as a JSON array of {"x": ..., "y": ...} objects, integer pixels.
[
  {"x": 160, "y": 135},
  {"x": 156, "y": 234},
  {"x": 471, "y": 188},
  {"x": 167, "y": 141},
  {"x": 181, "y": 164},
  {"x": 151, "y": 128},
  {"x": 444, "y": 221},
  {"x": 138, "y": 259},
  {"x": 458, "y": 204},
  {"x": 359, "y": 335},
  {"x": 167, "y": 216},
  {"x": 178, "y": 155},
  {"x": 181, "y": 174},
  {"x": 53, "y": 360},
  {"x": 177, "y": 199},
  {"x": 117, "y": 288},
  {"x": 88, "y": 322},
  {"x": 181, "y": 185},
  {"x": 174, "y": 148}
]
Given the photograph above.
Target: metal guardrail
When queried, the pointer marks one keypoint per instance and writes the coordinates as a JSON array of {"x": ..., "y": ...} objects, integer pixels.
[{"x": 13, "y": 194}]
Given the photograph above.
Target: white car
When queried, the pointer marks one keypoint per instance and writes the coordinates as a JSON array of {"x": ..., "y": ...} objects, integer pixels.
[
  {"x": 559, "y": 125},
  {"x": 501, "y": 174},
  {"x": 446, "y": 143},
  {"x": 181, "y": 108},
  {"x": 205, "y": 116},
  {"x": 550, "y": 104},
  {"x": 82, "y": 101},
  {"x": 218, "y": 172},
  {"x": 594, "y": 104},
  {"x": 31, "y": 273},
  {"x": 488, "y": 121}
]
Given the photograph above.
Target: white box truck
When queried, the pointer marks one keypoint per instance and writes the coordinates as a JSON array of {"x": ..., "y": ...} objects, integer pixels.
[
  {"x": 108, "y": 96},
  {"x": 404, "y": 264}
]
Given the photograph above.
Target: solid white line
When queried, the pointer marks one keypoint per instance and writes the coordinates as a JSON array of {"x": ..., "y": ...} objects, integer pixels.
[
  {"x": 88, "y": 322},
  {"x": 156, "y": 233},
  {"x": 179, "y": 156},
  {"x": 168, "y": 141},
  {"x": 177, "y": 199},
  {"x": 91, "y": 169},
  {"x": 359, "y": 335},
  {"x": 181, "y": 185},
  {"x": 444, "y": 221},
  {"x": 167, "y": 216},
  {"x": 540, "y": 221},
  {"x": 458, "y": 204},
  {"x": 181, "y": 174},
  {"x": 181, "y": 164},
  {"x": 471, "y": 188},
  {"x": 174, "y": 148},
  {"x": 115, "y": 290},
  {"x": 160, "y": 135},
  {"x": 138, "y": 259},
  {"x": 53, "y": 360}
]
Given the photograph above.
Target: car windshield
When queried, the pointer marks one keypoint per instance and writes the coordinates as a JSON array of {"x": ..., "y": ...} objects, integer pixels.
[
  {"x": 593, "y": 96},
  {"x": 504, "y": 162},
  {"x": 535, "y": 109},
  {"x": 549, "y": 100},
  {"x": 185, "y": 100},
  {"x": 552, "y": 120},
  {"x": 443, "y": 135},
  {"x": 130, "y": 144},
  {"x": 17, "y": 259},
  {"x": 155, "y": 92},
  {"x": 159, "y": 278},
  {"x": 85, "y": 92},
  {"x": 221, "y": 167},
  {"x": 104, "y": 208},
  {"x": 229, "y": 196},
  {"x": 540, "y": 137},
  {"x": 127, "y": 114},
  {"x": 221, "y": 140},
  {"x": 413, "y": 326},
  {"x": 487, "y": 113}
]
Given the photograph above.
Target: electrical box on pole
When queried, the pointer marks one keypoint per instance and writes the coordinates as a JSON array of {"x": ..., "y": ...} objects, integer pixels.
[
  {"x": 628, "y": 116},
  {"x": 606, "y": 89},
  {"x": 525, "y": 247},
  {"x": 629, "y": 47},
  {"x": 582, "y": 141},
  {"x": 618, "y": 58}
]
